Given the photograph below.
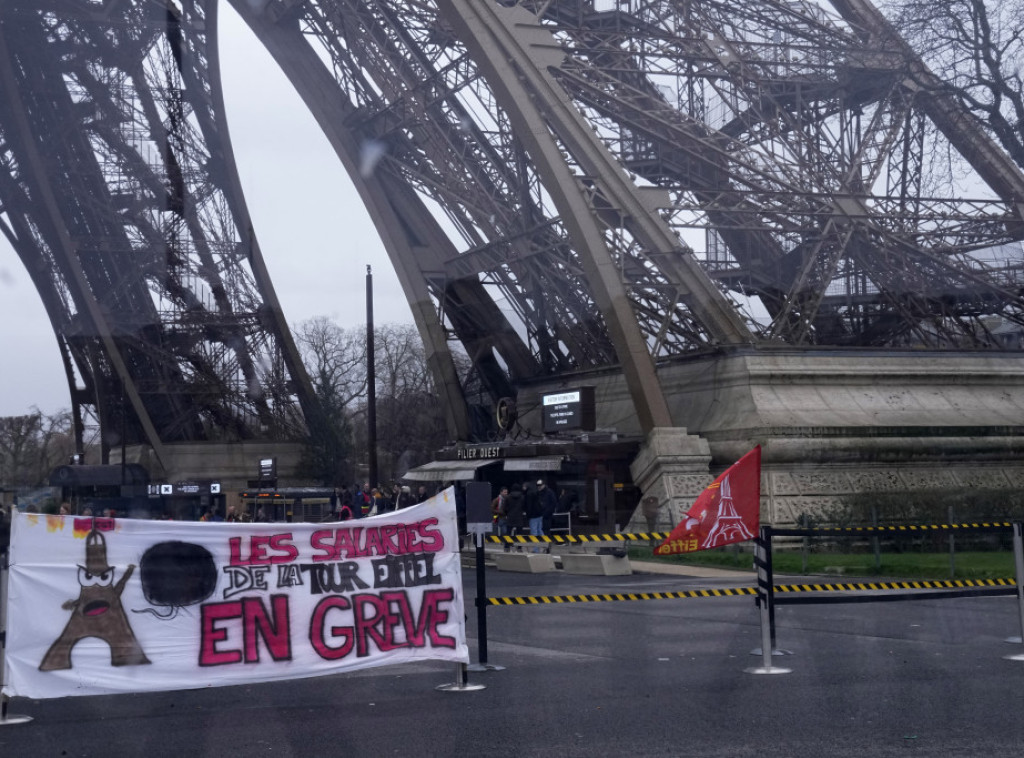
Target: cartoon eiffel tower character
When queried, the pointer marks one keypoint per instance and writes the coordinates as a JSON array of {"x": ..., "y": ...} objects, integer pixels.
[
  {"x": 97, "y": 612},
  {"x": 729, "y": 526}
]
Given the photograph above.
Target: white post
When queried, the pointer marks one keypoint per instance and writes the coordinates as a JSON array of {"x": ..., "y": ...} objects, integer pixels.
[{"x": 1018, "y": 560}]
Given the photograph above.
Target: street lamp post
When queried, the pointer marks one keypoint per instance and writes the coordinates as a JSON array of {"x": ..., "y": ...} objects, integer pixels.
[{"x": 371, "y": 386}]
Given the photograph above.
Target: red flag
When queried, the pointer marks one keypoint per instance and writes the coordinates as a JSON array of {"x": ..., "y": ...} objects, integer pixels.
[{"x": 727, "y": 511}]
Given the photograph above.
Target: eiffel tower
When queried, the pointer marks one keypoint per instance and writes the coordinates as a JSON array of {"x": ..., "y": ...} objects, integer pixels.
[
  {"x": 729, "y": 218},
  {"x": 728, "y": 526}
]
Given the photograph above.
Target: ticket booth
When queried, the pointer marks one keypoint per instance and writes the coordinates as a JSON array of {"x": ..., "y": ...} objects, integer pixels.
[{"x": 590, "y": 475}]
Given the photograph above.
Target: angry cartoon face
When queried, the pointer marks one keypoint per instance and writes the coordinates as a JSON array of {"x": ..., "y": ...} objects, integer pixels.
[{"x": 97, "y": 612}]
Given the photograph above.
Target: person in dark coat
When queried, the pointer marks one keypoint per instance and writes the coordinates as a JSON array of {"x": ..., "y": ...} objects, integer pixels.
[
  {"x": 534, "y": 513},
  {"x": 515, "y": 511},
  {"x": 404, "y": 498},
  {"x": 5, "y": 529},
  {"x": 548, "y": 505},
  {"x": 344, "y": 508},
  {"x": 569, "y": 502}
]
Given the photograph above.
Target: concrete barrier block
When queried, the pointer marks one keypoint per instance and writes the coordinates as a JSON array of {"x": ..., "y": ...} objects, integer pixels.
[
  {"x": 529, "y": 563},
  {"x": 596, "y": 565}
]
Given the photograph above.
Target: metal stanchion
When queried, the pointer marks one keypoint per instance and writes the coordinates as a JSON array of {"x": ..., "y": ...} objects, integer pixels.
[
  {"x": 461, "y": 683},
  {"x": 764, "y": 563},
  {"x": 764, "y": 593},
  {"x": 952, "y": 545},
  {"x": 481, "y": 611},
  {"x": 876, "y": 544},
  {"x": 6, "y": 719},
  {"x": 1018, "y": 560}
]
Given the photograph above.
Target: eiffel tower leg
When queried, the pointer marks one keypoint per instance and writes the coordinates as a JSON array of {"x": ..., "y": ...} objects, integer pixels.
[{"x": 672, "y": 466}]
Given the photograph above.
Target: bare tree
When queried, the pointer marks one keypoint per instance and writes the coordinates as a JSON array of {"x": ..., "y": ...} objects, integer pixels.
[
  {"x": 976, "y": 49},
  {"x": 56, "y": 443},
  {"x": 410, "y": 419},
  {"x": 331, "y": 356},
  {"x": 18, "y": 438},
  {"x": 334, "y": 358},
  {"x": 31, "y": 446},
  {"x": 400, "y": 360}
]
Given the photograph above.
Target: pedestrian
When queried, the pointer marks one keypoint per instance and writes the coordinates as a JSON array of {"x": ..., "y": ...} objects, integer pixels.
[
  {"x": 380, "y": 503},
  {"x": 389, "y": 498},
  {"x": 345, "y": 504},
  {"x": 460, "y": 510},
  {"x": 548, "y": 506},
  {"x": 405, "y": 498},
  {"x": 534, "y": 513},
  {"x": 515, "y": 512},
  {"x": 5, "y": 528},
  {"x": 363, "y": 501},
  {"x": 421, "y": 493},
  {"x": 499, "y": 513},
  {"x": 569, "y": 502},
  {"x": 566, "y": 511},
  {"x": 345, "y": 511}
]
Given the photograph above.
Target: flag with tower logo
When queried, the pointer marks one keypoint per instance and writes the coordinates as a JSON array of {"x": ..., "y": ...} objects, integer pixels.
[{"x": 727, "y": 511}]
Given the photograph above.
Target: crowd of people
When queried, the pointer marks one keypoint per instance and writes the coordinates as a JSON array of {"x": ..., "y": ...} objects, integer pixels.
[
  {"x": 518, "y": 509},
  {"x": 344, "y": 504},
  {"x": 368, "y": 501},
  {"x": 522, "y": 509}
]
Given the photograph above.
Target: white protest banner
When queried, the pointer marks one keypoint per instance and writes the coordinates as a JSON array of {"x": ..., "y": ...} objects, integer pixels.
[{"x": 101, "y": 606}]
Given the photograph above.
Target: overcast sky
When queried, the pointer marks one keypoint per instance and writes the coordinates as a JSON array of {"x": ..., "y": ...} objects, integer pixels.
[{"x": 314, "y": 233}]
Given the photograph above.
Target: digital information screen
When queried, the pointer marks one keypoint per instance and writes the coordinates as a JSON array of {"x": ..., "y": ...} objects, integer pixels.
[
  {"x": 268, "y": 469},
  {"x": 569, "y": 410}
]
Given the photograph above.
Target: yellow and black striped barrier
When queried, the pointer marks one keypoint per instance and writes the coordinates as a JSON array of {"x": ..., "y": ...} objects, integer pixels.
[
  {"x": 621, "y": 596},
  {"x": 767, "y": 593},
  {"x": 929, "y": 586},
  {"x": 579, "y": 539},
  {"x": 584, "y": 539},
  {"x": 896, "y": 528},
  {"x": 872, "y": 592},
  {"x": 940, "y": 584}
]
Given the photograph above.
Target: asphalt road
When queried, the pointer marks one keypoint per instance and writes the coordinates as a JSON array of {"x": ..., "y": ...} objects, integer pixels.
[{"x": 643, "y": 678}]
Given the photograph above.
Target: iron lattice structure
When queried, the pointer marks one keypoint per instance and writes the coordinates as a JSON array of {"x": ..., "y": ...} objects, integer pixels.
[
  {"x": 120, "y": 196},
  {"x": 562, "y": 185}
]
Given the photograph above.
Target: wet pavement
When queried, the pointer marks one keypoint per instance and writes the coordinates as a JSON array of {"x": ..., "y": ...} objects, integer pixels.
[{"x": 634, "y": 678}]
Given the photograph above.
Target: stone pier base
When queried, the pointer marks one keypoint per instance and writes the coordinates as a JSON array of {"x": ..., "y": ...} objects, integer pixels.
[{"x": 670, "y": 470}]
